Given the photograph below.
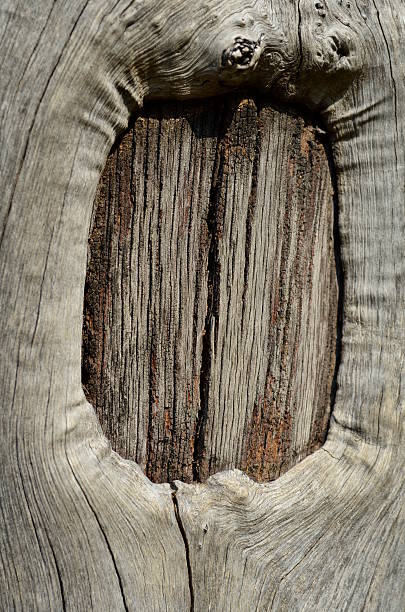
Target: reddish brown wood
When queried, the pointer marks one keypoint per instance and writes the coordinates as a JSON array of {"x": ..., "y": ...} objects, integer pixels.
[{"x": 210, "y": 320}]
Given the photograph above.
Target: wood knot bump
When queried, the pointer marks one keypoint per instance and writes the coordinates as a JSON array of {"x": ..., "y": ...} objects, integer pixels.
[
  {"x": 243, "y": 54},
  {"x": 320, "y": 7}
]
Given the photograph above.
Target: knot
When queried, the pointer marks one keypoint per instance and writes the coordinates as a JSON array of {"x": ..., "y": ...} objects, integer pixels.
[{"x": 243, "y": 54}]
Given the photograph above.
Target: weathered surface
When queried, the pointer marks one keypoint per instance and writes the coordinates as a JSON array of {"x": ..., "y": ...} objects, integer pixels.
[
  {"x": 330, "y": 534},
  {"x": 211, "y": 292},
  {"x": 84, "y": 528}
]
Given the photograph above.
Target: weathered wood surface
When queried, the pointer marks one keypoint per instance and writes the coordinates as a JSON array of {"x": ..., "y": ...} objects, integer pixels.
[
  {"x": 211, "y": 292},
  {"x": 84, "y": 528}
]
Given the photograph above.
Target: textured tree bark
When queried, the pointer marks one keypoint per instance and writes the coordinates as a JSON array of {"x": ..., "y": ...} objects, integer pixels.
[
  {"x": 84, "y": 528},
  {"x": 211, "y": 292}
]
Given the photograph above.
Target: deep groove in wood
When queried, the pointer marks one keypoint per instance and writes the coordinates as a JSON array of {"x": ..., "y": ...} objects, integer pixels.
[{"x": 186, "y": 546}]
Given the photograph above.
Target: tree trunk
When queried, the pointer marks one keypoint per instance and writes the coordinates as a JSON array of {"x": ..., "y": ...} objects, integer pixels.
[{"x": 84, "y": 528}]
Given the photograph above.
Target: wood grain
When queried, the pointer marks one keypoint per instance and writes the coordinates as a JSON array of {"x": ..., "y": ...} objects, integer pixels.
[
  {"x": 211, "y": 294},
  {"x": 85, "y": 529}
]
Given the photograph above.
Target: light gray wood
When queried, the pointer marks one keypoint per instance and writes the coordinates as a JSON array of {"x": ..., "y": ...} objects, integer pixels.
[
  {"x": 211, "y": 293},
  {"x": 85, "y": 529}
]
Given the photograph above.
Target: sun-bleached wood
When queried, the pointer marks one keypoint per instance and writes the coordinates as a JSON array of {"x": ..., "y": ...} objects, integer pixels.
[{"x": 85, "y": 529}]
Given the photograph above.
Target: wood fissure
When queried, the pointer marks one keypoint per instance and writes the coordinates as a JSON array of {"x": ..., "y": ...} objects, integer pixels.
[
  {"x": 186, "y": 547},
  {"x": 213, "y": 295},
  {"x": 339, "y": 272}
]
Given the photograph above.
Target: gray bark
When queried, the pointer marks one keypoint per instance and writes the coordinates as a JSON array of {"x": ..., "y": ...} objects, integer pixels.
[{"x": 84, "y": 528}]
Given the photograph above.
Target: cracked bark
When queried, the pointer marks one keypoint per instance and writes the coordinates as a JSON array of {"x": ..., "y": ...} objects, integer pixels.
[{"x": 113, "y": 533}]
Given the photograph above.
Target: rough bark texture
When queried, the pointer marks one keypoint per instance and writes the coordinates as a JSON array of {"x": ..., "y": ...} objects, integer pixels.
[
  {"x": 84, "y": 528},
  {"x": 211, "y": 291}
]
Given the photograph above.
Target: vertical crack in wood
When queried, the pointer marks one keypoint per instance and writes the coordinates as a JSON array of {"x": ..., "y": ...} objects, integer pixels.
[
  {"x": 252, "y": 203},
  {"x": 339, "y": 275},
  {"x": 213, "y": 296},
  {"x": 186, "y": 544},
  {"x": 59, "y": 575},
  {"x": 153, "y": 393},
  {"x": 102, "y": 531}
]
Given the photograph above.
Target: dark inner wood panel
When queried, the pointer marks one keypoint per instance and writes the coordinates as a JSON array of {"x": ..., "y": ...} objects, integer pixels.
[{"x": 210, "y": 316}]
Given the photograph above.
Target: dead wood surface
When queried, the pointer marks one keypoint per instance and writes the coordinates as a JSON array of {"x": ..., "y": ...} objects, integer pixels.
[
  {"x": 210, "y": 328},
  {"x": 83, "y": 528}
]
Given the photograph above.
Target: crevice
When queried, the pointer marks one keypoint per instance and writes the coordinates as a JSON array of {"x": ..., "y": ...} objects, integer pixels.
[
  {"x": 59, "y": 574},
  {"x": 149, "y": 464},
  {"x": 330, "y": 454},
  {"x": 153, "y": 397},
  {"x": 251, "y": 209},
  {"x": 186, "y": 545},
  {"x": 214, "y": 273},
  {"x": 339, "y": 275},
  {"x": 41, "y": 288}
]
